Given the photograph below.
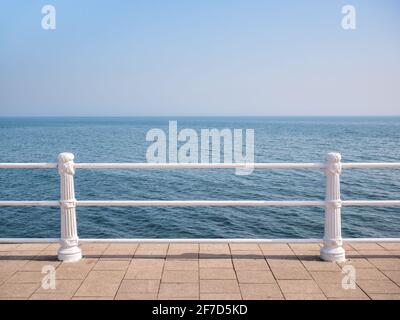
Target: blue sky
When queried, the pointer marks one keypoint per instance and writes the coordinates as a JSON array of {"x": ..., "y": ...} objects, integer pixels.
[{"x": 205, "y": 58}]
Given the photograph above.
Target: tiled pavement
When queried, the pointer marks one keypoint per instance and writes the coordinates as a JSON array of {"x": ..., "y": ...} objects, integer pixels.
[{"x": 200, "y": 271}]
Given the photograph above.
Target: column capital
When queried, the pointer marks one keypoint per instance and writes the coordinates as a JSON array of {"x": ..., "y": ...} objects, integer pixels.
[
  {"x": 66, "y": 163},
  {"x": 333, "y": 164}
]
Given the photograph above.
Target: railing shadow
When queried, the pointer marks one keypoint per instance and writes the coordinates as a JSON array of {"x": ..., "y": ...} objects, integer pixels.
[{"x": 195, "y": 256}]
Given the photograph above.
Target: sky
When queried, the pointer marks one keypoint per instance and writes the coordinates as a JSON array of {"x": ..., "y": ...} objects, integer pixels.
[{"x": 199, "y": 58}]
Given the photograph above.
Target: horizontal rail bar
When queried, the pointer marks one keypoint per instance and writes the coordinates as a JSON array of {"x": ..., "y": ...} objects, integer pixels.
[
  {"x": 371, "y": 203},
  {"x": 195, "y": 203},
  {"x": 371, "y": 165},
  {"x": 194, "y": 240},
  {"x": 29, "y": 203},
  {"x": 28, "y": 165},
  {"x": 28, "y": 240},
  {"x": 348, "y": 165},
  {"x": 199, "y": 165}
]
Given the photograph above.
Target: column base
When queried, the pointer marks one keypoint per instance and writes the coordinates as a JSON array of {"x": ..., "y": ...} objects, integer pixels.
[
  {"x": 70, "y": 254},
  {"x": 334, "y": 254}
]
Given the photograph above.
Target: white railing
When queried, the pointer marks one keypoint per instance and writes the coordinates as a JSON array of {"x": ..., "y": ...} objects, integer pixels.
[{"x": 332, "y": 249}]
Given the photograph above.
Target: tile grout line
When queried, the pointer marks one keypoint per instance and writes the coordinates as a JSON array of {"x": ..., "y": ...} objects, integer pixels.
[
  {"x": 273, "y": 274},
  {"x": 90, "y": 270},
  {"x": 87, "y": 274},
  {"x": 379, "y": 269},
  {"x": 358, "y": 286},
  {"x": 198, "y": 267},
  {"x": 39, "y": 285},
  {"x": 126, "y": 270},
  {"x": 162, "y": 272},
  {"x": 234, "y": 270}
]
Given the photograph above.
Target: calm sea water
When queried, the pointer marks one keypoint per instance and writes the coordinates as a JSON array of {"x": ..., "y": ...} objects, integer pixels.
[{"x": 123, "y": 140}]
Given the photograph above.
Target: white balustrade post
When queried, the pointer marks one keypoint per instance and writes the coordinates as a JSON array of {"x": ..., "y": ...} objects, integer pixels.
[
  {"x": 69, "y": 249},
  {"x": 332, "y": 249}
]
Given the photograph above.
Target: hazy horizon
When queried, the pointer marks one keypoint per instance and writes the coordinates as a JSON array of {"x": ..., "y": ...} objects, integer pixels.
[{"x": 179, "y": 59}]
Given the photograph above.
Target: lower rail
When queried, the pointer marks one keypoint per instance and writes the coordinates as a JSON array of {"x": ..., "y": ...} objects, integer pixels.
[{"x": 193, "y": 240}]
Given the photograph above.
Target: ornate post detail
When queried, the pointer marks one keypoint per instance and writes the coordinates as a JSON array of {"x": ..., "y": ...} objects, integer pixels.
[
  {"x": 69, "y": 249},
  {"x": 332, "y": 249}
]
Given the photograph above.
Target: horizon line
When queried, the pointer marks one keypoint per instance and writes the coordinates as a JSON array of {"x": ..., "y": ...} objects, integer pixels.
[{"x": 196, "y": 116}]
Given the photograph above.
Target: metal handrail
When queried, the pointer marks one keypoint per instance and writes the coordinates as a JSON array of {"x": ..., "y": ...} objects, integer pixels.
[{"x": 331, "y": 251}]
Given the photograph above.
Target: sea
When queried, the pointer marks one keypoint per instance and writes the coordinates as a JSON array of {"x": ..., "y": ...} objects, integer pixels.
[{"x": 123, "y": 139}]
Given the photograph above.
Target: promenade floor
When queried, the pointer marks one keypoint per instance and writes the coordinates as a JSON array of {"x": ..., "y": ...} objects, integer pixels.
[{"x": 200, "y": 271}]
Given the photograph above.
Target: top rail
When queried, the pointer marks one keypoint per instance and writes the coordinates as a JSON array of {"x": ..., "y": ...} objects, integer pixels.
[
  {"x": 199, "y": 165},
  {"x": 371, "y": 165},
  {"x": 28, "y": 165},
  {"x": 129, "y": 165}
]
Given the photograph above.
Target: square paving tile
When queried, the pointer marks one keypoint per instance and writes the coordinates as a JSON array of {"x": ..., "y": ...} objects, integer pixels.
[
  {"x": 5, "y": 275},
  {"x": 281, "y": 247},
  {"x": 27, "y": 277},
  {"x": 366, "y": 246},
  {"x": 219, "y": 286},
  {"x": 255, "y": 276},
  {"x": 328, "y": 276},
  {"x": 136, "y": 296},
  {"x": 182, "y": 248},
  {"x": 393, "y": 275},
  {"x": 111, "y": 265},
  {"x": 319, "y": 265},
  {"x": 378, "y": 286},
  {"x": 152, "y": 249},
  {"x": 17, "y": 290},
  {"x": 144, "y": 274},
  {"x": 32, "y": 246},
  {"x": 138, "y": 286},
  {"x": 50, "y": 296},
  {"x": 386, "y": 264},
  {"x": 245, "y": 247},
  {"x": 12, "y": 265},
  {"x": 357, "y": 263},
  {"x": 101, "y": 283},
  {"x": 220, "y": 296},
  {"x": 250, "y": 264},
  {"x": 260, "y": 291},
  {"x": 335, "y": 290},
  {"x": 38, "y": 265},
  {"x": 75, "y": 270},
  {"x": 304, "y": 296},
  {"x": 179, "y": 290},
  {"x": 217, "y": 273},
  {"x": 121, "y": 248},
  {"x": 215, "y": 263},
  {"x": 390, "y": 246},
  {"x": 299, "y": 286},
  {"x": 181, "y": 265},
  {"x": 215, "y": 248},
  {"x": 146, "y": 263},
  {"x": 62, "y": 287},
  {"x": 8, "y": 247},
  {"x": 184, "y": 276}
]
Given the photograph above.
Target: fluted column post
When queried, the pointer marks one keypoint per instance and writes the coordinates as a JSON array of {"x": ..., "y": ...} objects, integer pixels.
[
  {"x": 332, "y": 249},
  {"x": 69, "y": 249}
]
